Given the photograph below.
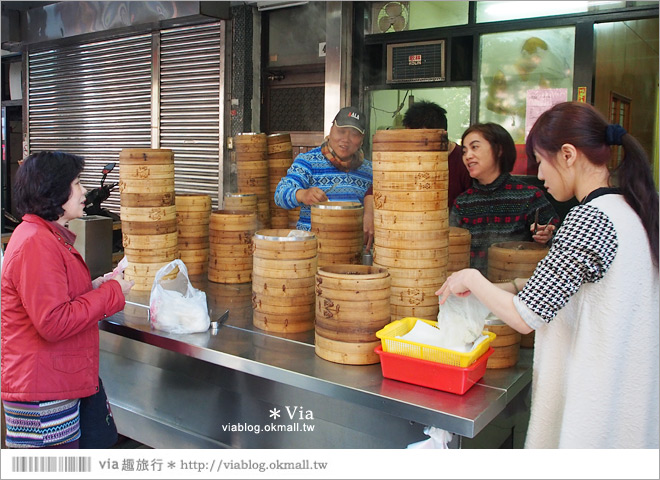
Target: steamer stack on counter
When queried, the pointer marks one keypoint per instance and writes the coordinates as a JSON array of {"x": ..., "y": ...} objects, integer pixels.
[
  {"x": 283, "y": 279},
  {"x": 230, "y": 246},
  {"x": 352, "y": 304},
  {"x": 192, "y": 216},
  {"x": 280, "y": 158},
  {"x": 510, "y": 260},
  {"x": 252, "y": 171},
  {"x": 338, "y": 229},
  {"x": 241, "y": 201},
  {"x": 411, "y": 217},
  {"x": 459, "y": 249},
  {"x": 148, "y": 213}
]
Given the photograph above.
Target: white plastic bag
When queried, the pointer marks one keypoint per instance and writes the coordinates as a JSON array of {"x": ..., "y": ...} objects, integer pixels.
[
  {"x": 461, "y": 321},
  {"x": 175, "y": 305},
  {"x": 439, "y": 439}
]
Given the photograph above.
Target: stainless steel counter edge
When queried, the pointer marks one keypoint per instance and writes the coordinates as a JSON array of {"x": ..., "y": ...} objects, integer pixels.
[{"x": 464, "y": 415}]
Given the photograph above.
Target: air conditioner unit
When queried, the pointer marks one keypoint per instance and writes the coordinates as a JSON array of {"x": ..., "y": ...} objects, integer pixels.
[{"x": 416, "y": 62}]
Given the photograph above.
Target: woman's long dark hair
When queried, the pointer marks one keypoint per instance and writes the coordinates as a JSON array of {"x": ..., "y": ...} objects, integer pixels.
[
  {"x": 584, "y": 127},
  {"x": 43, "y": 183},
  {"x": 500, "y": 141}
]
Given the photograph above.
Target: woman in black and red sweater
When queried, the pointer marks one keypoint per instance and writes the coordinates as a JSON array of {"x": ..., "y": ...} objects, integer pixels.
[{"x": 498, "y": 207}]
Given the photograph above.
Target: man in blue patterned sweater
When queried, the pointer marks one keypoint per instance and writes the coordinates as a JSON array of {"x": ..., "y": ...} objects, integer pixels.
[{"x": 337, "y": 171}]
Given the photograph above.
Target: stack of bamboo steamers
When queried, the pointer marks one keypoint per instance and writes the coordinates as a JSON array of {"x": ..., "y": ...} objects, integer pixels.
[
  {"x": 148, "y": 213},
  {"x": 411, "y": 217}
]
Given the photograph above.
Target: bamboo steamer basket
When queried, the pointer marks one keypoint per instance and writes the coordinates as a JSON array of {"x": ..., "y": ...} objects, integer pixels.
[
  {"x": 510, "y": 260},
  {"x": 147, "y": 171},
  {"x": 411, "y": 217},
  {"x": 240, "y": 201},
  {"x": 248, "y": 142},
  {"x": 506, "y": 345},
  {"x": 280, "y": 158},
  {"x": 281, "y": 264},
  {"x": 164, "y": 199},
  {"x": 145, "y": 156},
  {"x": 415, "y": 140},
  {"x": 459, "y": 249},
  {"x": 148, "y": 212},
  {"x": 294, "y": 216},
  {"x": 252, "y": 171},
  {"x": 230, "y": 246},
  {"x": 193, "y": 217},
  {"x": 278, "y": 142},
  {"x": 352, "y": 304},
  {"x": 338, "y": 228}
]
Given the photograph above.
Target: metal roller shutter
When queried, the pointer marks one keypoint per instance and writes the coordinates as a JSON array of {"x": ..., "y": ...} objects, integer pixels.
[
  {"x": 91, "y": 100},
  {"x": 191, "y": 73},
  {"x": 97, "y": 98}
]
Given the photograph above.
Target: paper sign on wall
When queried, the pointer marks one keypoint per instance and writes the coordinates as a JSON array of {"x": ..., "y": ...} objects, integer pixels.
[{"x": 539, "y": 100}]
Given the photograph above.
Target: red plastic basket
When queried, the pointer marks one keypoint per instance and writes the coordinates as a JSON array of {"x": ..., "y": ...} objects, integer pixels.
[{"x": 439, "y": 376}]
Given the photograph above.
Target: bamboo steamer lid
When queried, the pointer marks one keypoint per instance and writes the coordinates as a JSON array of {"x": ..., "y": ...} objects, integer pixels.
[
  {"x": 274, "y": 243},
  {"x": 410, "y": 140},
  {"x": 145, "y": 156},
  {"x": 352, "y": 304},
  {"x": 233, "y": 220},
  {"x": 511, "y": 260},
  {"x": 279, "y": 143},
  {"x": 240, "y": 201},
  {"x": 459, "y": 236},
  {"x": 415, "y": 161},
  {"x": 191, "y": 202},
  {"x": 245, "y": 141}
]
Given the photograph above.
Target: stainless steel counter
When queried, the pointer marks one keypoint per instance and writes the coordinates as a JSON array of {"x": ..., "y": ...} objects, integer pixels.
[{"x": 222, "y": 387}]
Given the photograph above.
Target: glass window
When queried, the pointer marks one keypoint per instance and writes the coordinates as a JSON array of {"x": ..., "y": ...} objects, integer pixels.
[
  {"x": 389, "y": 17},
  {"x": 513, "y": 63},
  {"x": 498, "y": 11},
  {"x": 455, "y": 100}
]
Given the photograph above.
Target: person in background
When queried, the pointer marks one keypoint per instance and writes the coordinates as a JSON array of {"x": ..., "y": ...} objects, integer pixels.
[
  {"x": 498, "y": 207},
  {"x": 337, "y": 170},
  {"x": 50, "y": 308},
  {"x": 593, "y": 300},
  {"x": 425, "y": 114}
]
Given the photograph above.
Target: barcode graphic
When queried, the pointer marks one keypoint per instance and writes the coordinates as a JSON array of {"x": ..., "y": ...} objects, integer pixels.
[{"x": 51, "y": 464}]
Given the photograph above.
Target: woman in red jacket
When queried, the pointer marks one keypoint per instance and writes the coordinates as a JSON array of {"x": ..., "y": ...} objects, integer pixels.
[{"x": 50, "y": 308}]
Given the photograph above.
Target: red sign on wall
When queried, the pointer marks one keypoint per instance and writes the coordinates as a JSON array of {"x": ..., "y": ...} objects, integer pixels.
[
  {"x": 582, "y": 94},
  {"x": 414, "y": 59}
]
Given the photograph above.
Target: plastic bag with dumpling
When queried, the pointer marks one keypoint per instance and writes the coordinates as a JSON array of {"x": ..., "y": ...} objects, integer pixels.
[{"x": 175, "y": 305}]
